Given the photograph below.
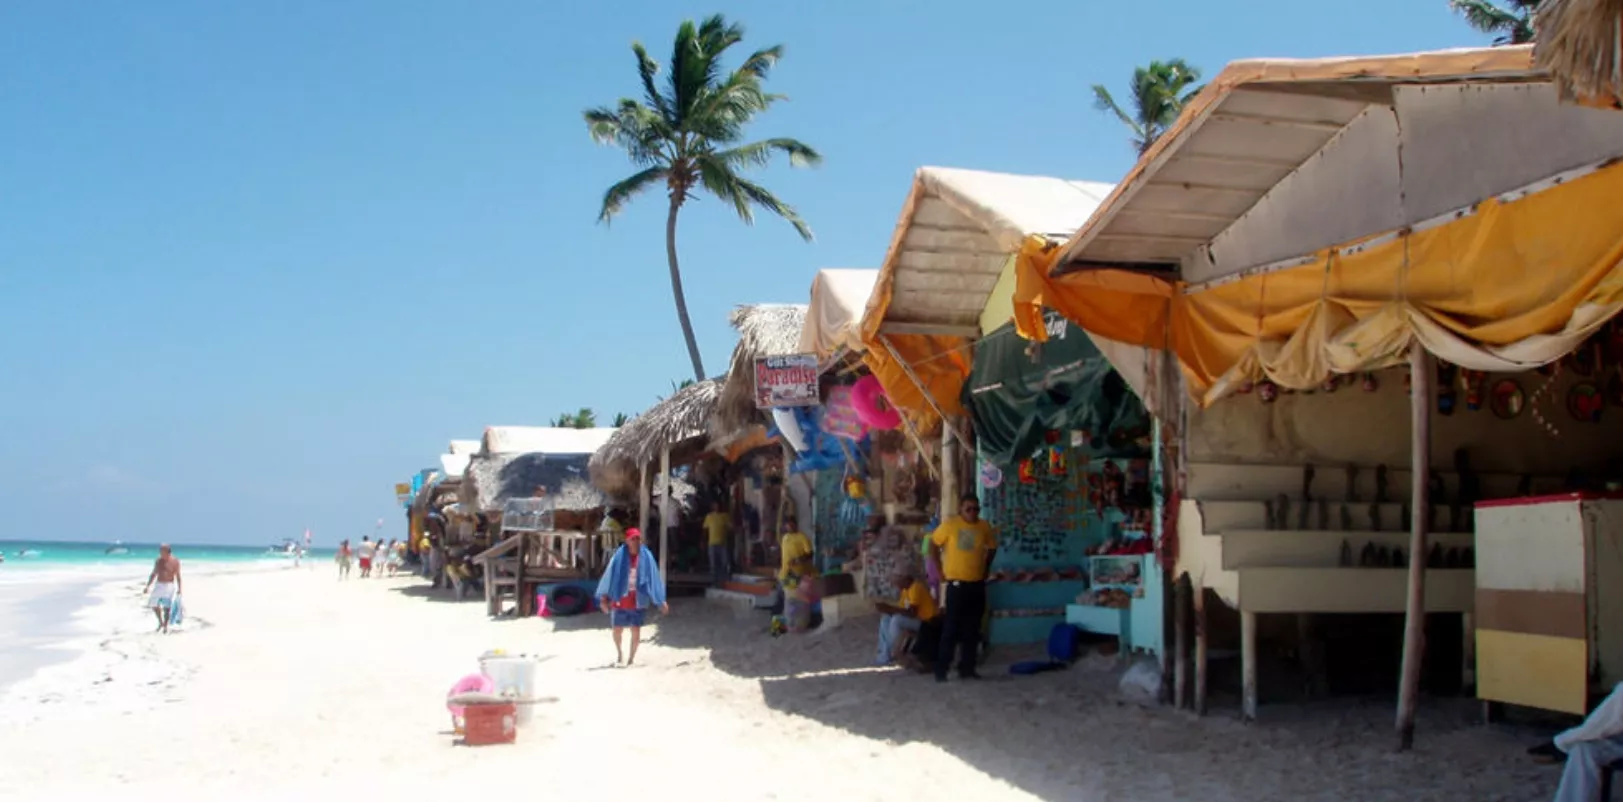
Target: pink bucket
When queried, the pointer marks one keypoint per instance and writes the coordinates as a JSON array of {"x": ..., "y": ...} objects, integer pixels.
[{"x": 541, "y": 606}]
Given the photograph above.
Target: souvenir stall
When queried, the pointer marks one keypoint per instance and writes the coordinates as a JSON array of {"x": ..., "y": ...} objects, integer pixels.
[
  {"x": 833, "y": 456},
  {"x": 1066, "y": 476}
]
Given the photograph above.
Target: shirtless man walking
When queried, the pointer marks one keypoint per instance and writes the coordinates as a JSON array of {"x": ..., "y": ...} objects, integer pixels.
[{"x": 166, "y": 575}]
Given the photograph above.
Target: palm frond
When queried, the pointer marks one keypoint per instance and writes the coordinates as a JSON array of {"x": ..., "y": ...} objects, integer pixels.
[
  {"x": 1103, "y": 101},
  {"x": 759, "y": 154},
  {"x": 617, "y": 196},
  {"x": 762, "y": 197},
  {"x": 648, "y": 71}
]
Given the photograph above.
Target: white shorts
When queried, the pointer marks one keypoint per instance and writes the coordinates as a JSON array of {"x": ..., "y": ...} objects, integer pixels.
[{"x": 163, "y": 594}]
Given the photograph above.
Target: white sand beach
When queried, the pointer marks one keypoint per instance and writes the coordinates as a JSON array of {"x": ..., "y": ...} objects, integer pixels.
[{"x": 288, "y": 683}]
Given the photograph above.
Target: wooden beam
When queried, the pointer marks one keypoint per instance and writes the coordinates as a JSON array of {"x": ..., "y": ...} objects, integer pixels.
[
  {"x": 1242, "y": 161},
  {"x": 664, "y": 513},
  {"x": 1180, "y": 627},
  {"x": 1326, "y": 126},
  {"x": 949, "y": 474},
  {"x": 1421, "y": 376},
  {"x": 1199, "y": 594},
  {"x": 941, "y": 329},
  {"x": 1248, "y": 666}
]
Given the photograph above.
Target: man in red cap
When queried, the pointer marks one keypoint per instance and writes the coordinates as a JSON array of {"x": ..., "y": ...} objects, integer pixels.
[{"x": 629, "y": 585}]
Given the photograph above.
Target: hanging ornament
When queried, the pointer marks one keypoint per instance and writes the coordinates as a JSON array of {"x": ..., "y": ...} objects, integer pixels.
[
  {"x": 1446, "y": 376},
  {"x": 1051, "y": 437},
  {"x": 991, "y": 475},
  {"x": 1584, "y": 403},
  {"x": 1028, "y": 474},
  {"x": 1331, "y": 383},
  {"x": 1474, "y": 382},
  {"x": 1246, "y": 387},
  {"x": 1370, "y": 385},
  {"x": 1507, "y": 400},
  {"x": 1056, "y": 462},
  {"x": 1544, "y": 392},
  {"x": 1267, "y": 391},
  {"x": 854, "y": 488}
]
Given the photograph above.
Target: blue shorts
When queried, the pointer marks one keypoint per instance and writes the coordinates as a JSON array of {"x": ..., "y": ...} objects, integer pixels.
[{"x": 626, "y": 618}]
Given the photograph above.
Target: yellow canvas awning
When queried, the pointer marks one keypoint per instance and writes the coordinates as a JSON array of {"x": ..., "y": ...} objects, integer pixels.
[{"x": 1516, "y": 282}]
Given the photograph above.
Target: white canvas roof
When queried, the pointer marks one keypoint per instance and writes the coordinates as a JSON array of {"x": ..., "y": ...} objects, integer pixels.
[
  {"x": 838, "y": 299},
  {"x": 543, "y": 440}
]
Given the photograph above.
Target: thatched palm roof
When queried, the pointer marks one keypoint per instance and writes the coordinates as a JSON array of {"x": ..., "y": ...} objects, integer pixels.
[
  {"x": 684, "y": 415},
  {"x": 543, "y": 440},
  {"x": 464, "y": 447},
  {"x": 763, "y": 330},
  {"x": 1580, "y": 42},
  {"x": 491, "y": 480}
]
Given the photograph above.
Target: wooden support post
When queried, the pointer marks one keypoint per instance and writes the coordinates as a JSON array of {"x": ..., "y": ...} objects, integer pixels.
[
  {"x": 949, "y": 472},
  {"x": 1199, "y": 594},
  {"x": 1248, "y": 666},
  {"x": 1414, "y": 617},
  {"x": 665, "y": 514},
  {"x": 1467, "y": 652},
  {"x": 642, "y": 497},
  {"x": 1180, "y": 626}
]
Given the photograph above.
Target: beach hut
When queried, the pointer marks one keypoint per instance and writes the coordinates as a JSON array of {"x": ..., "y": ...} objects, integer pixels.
[
  {"x": 675, "y": 431},
  {"x": 515, "y": 463},
  {"x": 1306, "y": 225}
]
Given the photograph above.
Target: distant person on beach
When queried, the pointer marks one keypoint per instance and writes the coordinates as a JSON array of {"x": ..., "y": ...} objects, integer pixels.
[
  {"x": 345, "y": 556},
  {"x": 365, "y": 551},
  {"x": 630, "y": 584},
  {"x": 164, "y": 584},
  {"x": 964, "y": 545}
]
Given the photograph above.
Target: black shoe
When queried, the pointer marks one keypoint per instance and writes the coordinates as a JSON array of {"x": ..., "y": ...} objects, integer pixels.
[{"x": 969, "y": 675}]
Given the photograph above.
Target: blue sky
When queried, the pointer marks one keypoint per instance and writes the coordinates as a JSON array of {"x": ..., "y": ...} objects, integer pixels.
[{"x": 259, "y": 261}]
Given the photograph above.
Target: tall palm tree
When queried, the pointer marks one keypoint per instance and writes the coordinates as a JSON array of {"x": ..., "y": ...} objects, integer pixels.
[
  {"x": 1160, "y": 91},
  {"x": 1509, "y": 22},
  {"x": 688, "y": 135}
]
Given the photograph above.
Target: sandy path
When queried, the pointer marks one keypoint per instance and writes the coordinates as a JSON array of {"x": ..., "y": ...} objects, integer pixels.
[{"x": 299, "y": 684}]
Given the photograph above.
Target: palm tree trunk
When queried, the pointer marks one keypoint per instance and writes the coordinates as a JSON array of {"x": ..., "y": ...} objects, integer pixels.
[{"x": 676, "y": 290}]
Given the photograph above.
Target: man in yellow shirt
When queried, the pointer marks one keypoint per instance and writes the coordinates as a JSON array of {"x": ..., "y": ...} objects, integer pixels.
[
  {"x": 915, "y": 612},
  {"x": 796, "y": 549},
  {"x": 717, "y": 525},
  {"x": 964, "y": 546}
]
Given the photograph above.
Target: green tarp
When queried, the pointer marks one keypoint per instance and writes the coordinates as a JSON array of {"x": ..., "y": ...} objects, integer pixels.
[{"x": 1019, "y": 390}]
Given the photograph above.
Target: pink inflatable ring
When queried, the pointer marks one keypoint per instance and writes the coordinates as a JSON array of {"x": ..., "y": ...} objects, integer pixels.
[
  {"x": 473, "y": 683},
  {"x": 872, "y": 407}
]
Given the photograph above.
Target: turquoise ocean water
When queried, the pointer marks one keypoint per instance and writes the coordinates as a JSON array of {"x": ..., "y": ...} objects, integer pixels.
[{"x": 23, "y": 557}]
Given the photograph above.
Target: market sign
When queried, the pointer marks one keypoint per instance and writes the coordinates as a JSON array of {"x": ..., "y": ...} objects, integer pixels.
[
  {"x": 786, "y": 381},
  {"x": 403, "y": 492}
]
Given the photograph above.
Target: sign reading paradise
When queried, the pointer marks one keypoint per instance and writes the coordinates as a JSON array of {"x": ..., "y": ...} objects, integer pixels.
[{"x": 786, "y": 381}]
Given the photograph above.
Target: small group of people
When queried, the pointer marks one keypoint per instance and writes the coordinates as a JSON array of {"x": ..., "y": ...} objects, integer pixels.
[
  {"x": 372, "y": 556},
  {"x": 960, "y": 553}
]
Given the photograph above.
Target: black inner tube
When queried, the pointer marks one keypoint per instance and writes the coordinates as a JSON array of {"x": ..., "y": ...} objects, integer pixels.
[{"x": 568, "y": 600}]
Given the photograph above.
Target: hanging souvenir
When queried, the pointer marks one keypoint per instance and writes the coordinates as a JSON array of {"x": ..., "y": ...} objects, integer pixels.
[
  {"x": 1446, "y": 376},
  {"x": 1331, "y": 383},
  {"x": 1370, "y": 384},
  {"x": 1507, "y": 399},
  {"x": 991, "y": 475},
  {"x": 1267, "y": 391},
  {"x": 1474, "y": 382},
  {"x": 1546, "y": 391},
  {"x": 872, "y": 406},
  {"x": 1584, "y": 403},
  {"x": 1056, "y": 462},
  {"x": 840, "y": 417},
  {"x": 855, "y": 488},
  {"x": 1028, "y": 474},
  {"x": 1246, "y": 387},
  {"x": 1051, "y": 437}
]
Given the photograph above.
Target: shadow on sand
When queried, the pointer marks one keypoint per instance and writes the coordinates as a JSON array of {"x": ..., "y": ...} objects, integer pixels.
[{"x": 1072, "y": 735}]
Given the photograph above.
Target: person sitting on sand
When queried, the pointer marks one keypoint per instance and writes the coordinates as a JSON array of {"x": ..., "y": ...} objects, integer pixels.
[
  {"x": 164, "y": 583},
  {"x": 629, "y": 585},
  {"x": 1591, "y": 747},
  {"x": 916, "y": 612}
]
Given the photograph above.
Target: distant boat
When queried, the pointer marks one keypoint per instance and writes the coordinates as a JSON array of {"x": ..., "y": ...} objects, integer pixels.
[
  {"x": 28, "y": 553},
  {"x": 118, "y": 547},
  {"x": 287, "y": 548}
]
